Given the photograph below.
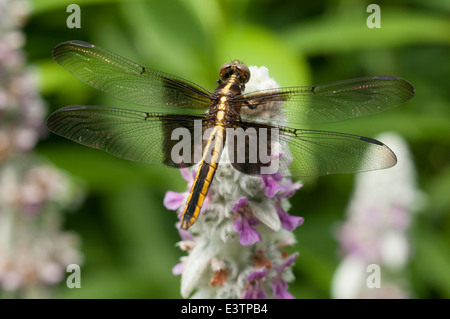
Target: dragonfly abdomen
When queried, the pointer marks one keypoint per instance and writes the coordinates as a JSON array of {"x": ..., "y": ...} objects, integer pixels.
[{"x": 205, "y": 174}]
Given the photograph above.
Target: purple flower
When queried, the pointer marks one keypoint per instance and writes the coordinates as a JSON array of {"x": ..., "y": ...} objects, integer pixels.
[
  {"x": 289, "y": 261},
  {"x": 240, "y": 204},
  {"x": 187, "y": 175},
  {"x": 288, "y": 222},
  {"x": 244, "y": 222},
  {"x": 173, "y": 200},
  {"x": 271, "y": 185},
  {"x": 273, "y": 189},
  {"x": 279, "y": 285},
  {"x": 184, "y": 234},
  {"x": 254, "y": 289},
  {"x": 177, "y": 269},
  {"x": 290, "y": 189}
]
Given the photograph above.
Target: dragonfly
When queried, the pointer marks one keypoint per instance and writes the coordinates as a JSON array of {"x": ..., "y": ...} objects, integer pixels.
[{"x": 166, "y": 103}]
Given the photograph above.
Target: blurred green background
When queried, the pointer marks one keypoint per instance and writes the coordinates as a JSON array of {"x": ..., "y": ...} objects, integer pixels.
[{"x": 128, "y": 237}]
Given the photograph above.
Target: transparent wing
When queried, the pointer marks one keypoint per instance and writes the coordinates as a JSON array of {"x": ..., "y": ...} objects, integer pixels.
[
  {"x": 131, "y": 135},
  {"x": 327, "y": 102},
  {"x": 127, "y": 80},
  {"x": 147, "y": 138},
  {"x": 316, "y": 153},
  {"x": 297, "y": 152}
]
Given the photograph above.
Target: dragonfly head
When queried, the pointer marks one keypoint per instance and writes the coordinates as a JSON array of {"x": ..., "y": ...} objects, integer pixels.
[{"x": 237, "y": 68}]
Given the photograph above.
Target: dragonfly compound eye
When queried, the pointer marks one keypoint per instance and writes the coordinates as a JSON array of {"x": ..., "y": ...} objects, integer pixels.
[{"x": 235, "y": 67}]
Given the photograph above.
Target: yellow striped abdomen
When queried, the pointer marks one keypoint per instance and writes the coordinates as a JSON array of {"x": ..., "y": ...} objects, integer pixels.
[{"x": 204, "y": 177}]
